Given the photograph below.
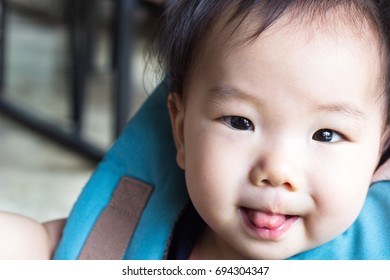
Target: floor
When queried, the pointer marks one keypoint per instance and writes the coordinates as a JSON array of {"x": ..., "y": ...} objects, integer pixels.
[{"x": 38, "y": 177}]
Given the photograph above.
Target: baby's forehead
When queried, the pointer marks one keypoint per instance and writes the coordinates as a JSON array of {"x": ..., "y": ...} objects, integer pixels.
[
  {"x": 230, "y": 31},
  {"x": 232, "y": 28}
]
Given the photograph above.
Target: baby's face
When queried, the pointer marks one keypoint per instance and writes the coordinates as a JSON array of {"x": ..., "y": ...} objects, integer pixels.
[{"x": 280, "y": 138}]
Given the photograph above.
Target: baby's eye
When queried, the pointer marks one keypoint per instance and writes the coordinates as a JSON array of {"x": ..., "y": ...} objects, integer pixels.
[
  {"x": 327, "y": 135},
  {"x": 239, "y": 123}
]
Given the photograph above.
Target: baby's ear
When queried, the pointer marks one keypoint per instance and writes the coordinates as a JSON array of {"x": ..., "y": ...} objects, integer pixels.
[
  {"x": 176, "y": 113},
  {"x": 383, "y": 170},
  {"x": 385, "y": 140}
]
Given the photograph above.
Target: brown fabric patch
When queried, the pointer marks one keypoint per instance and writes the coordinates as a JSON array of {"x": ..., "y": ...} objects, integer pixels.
[{"x": 115, "y": 226}]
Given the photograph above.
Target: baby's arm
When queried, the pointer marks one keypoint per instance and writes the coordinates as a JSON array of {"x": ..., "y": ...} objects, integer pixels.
[{"x": 24, "y": 238}]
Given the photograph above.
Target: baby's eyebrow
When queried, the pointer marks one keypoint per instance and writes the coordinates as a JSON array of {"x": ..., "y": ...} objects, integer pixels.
[
  {"x": 225, "y": 93},
  {"x": 344, "y": 108}
]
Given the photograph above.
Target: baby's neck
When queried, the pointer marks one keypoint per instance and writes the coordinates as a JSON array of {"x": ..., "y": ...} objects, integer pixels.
[{"x": 208, "y": 247}]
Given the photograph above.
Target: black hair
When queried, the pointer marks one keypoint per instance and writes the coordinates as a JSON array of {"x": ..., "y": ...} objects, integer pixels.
[{"x": 186, "y": 22}]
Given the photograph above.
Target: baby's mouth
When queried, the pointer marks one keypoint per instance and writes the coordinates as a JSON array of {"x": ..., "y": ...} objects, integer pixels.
[{"x": 267, "y": 225}]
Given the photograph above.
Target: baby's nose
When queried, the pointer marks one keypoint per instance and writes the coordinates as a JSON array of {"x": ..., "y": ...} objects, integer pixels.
[{"x": 277, "y": 167}]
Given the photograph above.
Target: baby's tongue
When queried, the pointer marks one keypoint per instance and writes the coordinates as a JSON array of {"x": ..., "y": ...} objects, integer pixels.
[{"x": 263, "y": 220}]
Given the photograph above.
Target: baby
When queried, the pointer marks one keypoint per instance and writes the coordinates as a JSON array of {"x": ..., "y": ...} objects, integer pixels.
[{"x": 279, "y": 112}]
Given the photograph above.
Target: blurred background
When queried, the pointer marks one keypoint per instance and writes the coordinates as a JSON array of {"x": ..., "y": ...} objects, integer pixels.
[{"x": 72, "y": 73}]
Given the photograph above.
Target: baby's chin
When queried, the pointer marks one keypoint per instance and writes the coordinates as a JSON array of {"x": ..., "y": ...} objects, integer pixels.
[{"x": 272, "y": 250}]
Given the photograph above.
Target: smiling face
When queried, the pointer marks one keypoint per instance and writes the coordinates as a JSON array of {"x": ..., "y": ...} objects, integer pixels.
[{"x": 279, "y": 138}]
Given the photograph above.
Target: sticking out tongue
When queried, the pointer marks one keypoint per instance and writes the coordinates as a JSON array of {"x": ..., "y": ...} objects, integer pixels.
[{"x": 265, "y": 220}]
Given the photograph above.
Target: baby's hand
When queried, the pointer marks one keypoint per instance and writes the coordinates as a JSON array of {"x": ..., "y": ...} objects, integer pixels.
[{"x": 24, "y": 238}]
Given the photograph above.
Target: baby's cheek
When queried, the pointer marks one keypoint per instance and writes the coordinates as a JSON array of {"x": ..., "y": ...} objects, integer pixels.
[{"x": 336, "y": 208}]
